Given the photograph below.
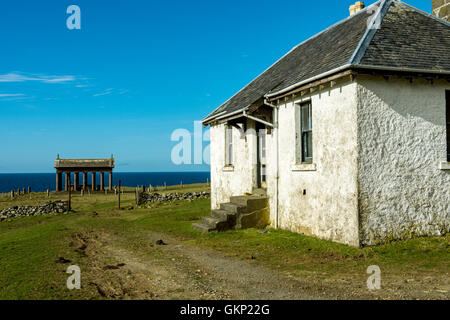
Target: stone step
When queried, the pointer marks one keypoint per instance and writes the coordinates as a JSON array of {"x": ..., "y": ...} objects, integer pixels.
[
  {"x": 203, "y": 227},
  {"x": 213, "y": 221},
  {"x": 259, "y": 192},
  {"x": 251, "y": 202},
  {"x": 219, "y": 224},
  {"x": 222, "y": 214},
  {"x": 233, "y": 207}
]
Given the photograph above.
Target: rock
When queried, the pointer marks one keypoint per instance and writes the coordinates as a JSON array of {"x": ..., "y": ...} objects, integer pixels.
[
  {"x": 63, "y": 260},
  {"x": 161, "y": 243}
]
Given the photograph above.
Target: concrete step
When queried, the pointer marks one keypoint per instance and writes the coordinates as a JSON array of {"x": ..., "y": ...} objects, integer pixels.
[
  {"x": 203, "y": 227},
  {"x": 222, "y": 214},
  {"x": 226, "y": 216},
  {"x": 259, "y": 192},
  {"x": 213, "y": 221},
  {"x": 251, "y": 202},
  {"x": 233, "y": 208},
  {"x": 218, "y": 224}
]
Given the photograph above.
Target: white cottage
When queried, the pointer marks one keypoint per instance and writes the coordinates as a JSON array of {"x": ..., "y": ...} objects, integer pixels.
[{"x": 347, "y": 136}]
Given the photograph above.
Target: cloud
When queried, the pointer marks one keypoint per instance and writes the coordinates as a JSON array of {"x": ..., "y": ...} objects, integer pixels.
[
  {"x": 17, "y": 77},
  {"x": 11, "y": 95},
  {"x": 104, "y": 93}
]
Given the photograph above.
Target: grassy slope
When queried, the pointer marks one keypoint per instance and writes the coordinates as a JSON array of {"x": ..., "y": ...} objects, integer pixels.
[{"x": 30, "y": 246}]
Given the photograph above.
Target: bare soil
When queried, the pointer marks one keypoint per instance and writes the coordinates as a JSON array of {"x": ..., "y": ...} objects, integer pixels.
[{"x": 176, "y": 270}]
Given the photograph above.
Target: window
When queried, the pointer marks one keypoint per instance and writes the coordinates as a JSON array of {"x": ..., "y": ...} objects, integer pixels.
[
  {"x": 306, "y": 132},
  {"x": 447, "y": 99},
  {"x": 228, "y": 145}
]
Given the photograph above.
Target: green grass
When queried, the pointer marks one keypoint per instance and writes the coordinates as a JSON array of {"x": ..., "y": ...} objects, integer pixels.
[{"x": 29, "y": 246}]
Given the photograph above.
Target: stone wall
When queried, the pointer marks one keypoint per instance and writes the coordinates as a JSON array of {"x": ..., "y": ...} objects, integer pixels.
[
  {"x": 143, "y": 198},
  {"x": 27, "y": 211},
  {"x": 441, "y": 9},
  {"x": 403, "y": 193}
]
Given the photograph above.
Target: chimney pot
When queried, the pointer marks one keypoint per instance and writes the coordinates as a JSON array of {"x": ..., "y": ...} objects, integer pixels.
[{"x": 358, "y": 6}]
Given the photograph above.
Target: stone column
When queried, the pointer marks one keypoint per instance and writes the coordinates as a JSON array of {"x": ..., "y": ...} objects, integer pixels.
[
  {"x": 94, "y": 183},
  {"x": 110, "y": 181},
  {"x": 85, "y": 181},
  {"x": 102, "y": 181},
  {"x": 76, "y": 177},
  {"x": 58, "y": 181}
]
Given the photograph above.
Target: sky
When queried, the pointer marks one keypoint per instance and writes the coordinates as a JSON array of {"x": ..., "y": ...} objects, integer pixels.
[{"x": 135, "y": 72}]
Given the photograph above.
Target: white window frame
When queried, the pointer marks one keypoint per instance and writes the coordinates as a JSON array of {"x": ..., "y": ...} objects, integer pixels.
[{"x": 300, "y": 163}]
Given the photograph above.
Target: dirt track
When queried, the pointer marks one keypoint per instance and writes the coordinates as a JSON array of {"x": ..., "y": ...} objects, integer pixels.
[{"x": 180, "y": 271}]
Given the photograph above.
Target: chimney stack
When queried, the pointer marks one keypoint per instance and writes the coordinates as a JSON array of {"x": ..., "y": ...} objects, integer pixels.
[
  {"x": 359, "y": 5},
  {"x": 441, "y": 9}
]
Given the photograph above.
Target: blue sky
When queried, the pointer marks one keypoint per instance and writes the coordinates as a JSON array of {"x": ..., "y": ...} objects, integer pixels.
[{"x": 135, "y": 72}]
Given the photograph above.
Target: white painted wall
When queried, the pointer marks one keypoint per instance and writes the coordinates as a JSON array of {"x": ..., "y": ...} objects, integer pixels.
[
  {"x": 402, "y": 140},
  {"x": 226, "y": 182},
  {"x": 377, "y": 148},
  {"x": 329, "y": 209}
]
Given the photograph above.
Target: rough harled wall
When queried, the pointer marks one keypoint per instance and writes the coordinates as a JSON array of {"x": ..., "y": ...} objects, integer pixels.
[
  {"x": 329, "y": 209},
  {"x": 402, "y": 140},
  {"x": 228, "y": 182},
  {"x": 441, "y": 9}
]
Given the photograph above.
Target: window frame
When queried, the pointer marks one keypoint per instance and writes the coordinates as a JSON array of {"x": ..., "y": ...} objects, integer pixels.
[
  {"x": 305, "y": 133},
  {"x": 228, "y": 145}
]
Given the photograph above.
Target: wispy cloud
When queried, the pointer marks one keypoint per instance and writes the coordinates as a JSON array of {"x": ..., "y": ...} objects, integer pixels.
[
  {"x": 112, "y": 91},
  {"x": 11, "y": 95},
  {"x": 18, "y": 77},
  {"x": 104, "y": 93}
]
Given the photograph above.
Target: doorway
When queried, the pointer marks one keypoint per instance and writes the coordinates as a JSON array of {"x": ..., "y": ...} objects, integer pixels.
[{"x": 261, "y": 150}]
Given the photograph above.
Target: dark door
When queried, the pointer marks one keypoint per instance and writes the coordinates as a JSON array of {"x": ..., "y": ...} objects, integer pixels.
[{"x": 261, "y": 166}]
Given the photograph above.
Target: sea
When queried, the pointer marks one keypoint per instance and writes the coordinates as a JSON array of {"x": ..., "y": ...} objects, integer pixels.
[{"x": 40, "y": 182}]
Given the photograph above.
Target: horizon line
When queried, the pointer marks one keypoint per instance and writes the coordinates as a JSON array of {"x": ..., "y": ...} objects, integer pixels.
[{"x": 113, "y": 172}]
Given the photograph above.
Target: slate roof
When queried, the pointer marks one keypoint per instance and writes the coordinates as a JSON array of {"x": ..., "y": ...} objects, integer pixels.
[{"x": 406, "y": 38}]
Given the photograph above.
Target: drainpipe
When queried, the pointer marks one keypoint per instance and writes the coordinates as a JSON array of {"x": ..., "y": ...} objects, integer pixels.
[{"x": 277, "y": 178}]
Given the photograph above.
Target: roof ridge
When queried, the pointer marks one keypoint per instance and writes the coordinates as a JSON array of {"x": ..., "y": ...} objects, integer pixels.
[
  {"x": 429, "y": 15},
  {"x": 372, "y": 29},
  {"x": 335, "y": 25},
  {"x": 290, "y": 51}
]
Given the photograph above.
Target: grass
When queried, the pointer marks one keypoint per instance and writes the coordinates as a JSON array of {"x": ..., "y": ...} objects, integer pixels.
[{"x": 29, "y": 246}]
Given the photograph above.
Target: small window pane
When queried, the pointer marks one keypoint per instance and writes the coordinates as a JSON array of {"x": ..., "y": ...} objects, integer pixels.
[
  {"x": 228, "y": 145},
  {"x": 305, "y": 118},
  {"x": 306, "y": 132}
]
